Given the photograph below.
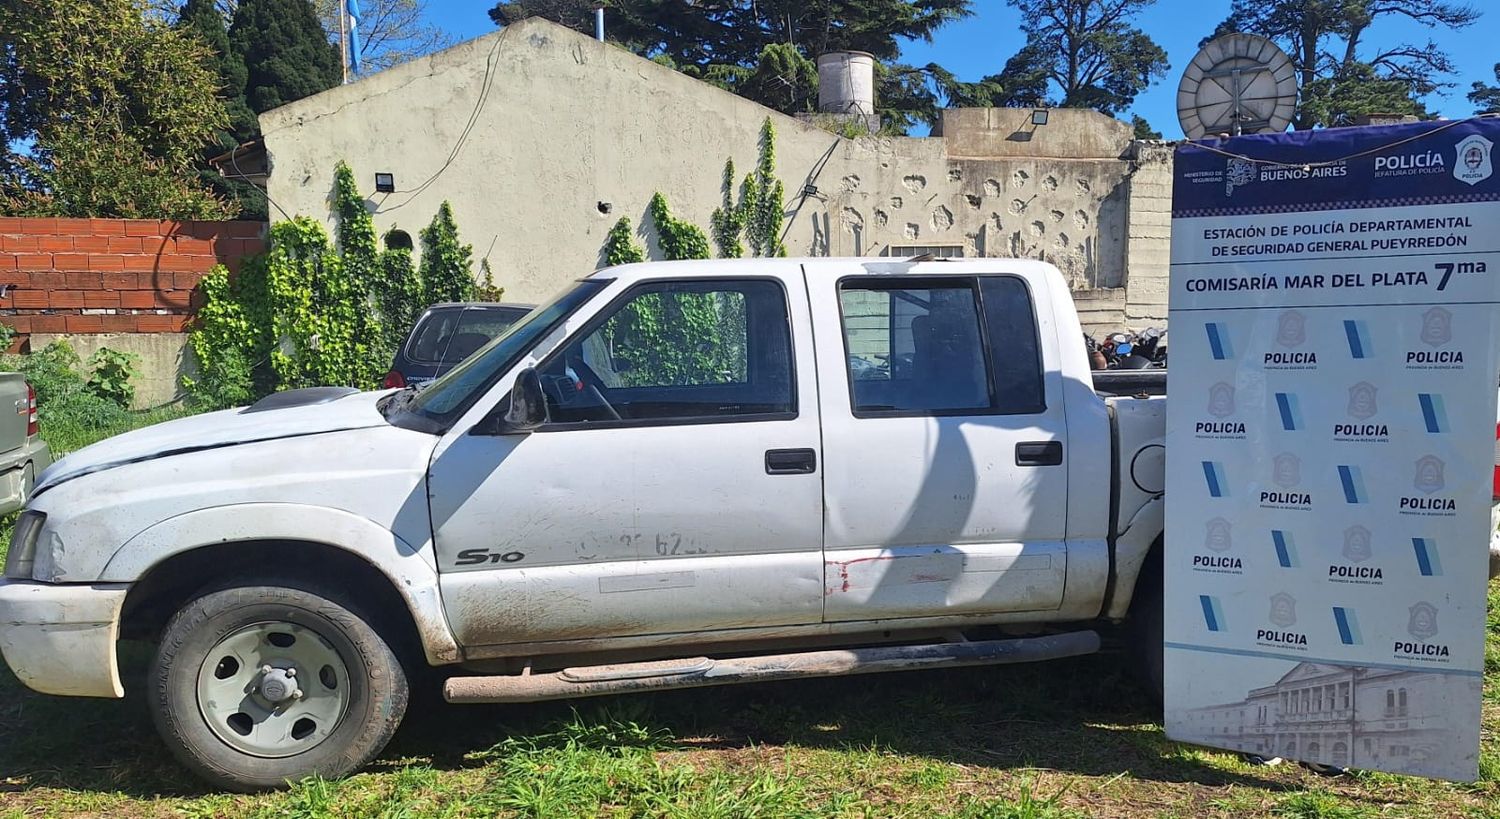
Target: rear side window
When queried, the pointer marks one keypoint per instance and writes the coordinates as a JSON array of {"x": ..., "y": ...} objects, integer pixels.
[
  {"x": 450, "y": 336},
  {"x": 717, "y": 350},
  {"x": 923, "y": 346}
]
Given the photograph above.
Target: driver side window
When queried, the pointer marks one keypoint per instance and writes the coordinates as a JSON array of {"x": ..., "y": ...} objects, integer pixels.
[{"x": 682, "y": 350}]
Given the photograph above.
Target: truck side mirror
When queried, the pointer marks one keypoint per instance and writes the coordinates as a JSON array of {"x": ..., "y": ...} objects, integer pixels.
[{"x": 525, "y": 411}]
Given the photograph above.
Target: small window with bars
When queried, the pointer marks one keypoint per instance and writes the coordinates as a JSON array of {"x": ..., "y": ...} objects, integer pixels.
[{"x": 935, "y": 251}]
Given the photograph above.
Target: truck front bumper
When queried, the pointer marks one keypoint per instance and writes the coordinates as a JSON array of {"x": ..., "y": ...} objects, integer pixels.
[{"x": 60, "y": 639}]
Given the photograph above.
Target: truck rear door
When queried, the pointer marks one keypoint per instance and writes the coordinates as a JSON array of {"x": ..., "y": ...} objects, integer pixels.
[{"x": 946, "y": 485}]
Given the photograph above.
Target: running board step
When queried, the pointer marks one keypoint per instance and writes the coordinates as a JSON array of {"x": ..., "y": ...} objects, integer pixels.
[{"x": 697, "y": 672}]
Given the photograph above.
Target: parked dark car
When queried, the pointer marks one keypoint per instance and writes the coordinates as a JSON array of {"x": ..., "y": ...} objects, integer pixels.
[{"x": 446, "y": 334}]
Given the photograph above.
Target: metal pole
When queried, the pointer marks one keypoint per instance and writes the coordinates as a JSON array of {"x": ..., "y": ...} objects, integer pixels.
[
  {"x": 599, "y": 24},
  {"x": 343, "y": 41}
]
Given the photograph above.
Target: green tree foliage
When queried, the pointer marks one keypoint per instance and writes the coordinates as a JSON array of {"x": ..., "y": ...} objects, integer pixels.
[
  {"x": 1340, "y": 75},
  {"x": 1022, "y": 83},
  {"x": 285, "y": 51},
  {"x": 1089, "y": 50},
  {"x": 391, "y": 32},
  {"x": 447, "y": 264},
  {"x": 357, "y": 248},
  {"x": 1485, "y": 97},
  {"x": 103, "y": 112},
  {"x": 1143, "y": 129},
  {"x": 203, "y": 18},
  {"x": 620, "y": 246},
  {"x": 765, "y": 50}
]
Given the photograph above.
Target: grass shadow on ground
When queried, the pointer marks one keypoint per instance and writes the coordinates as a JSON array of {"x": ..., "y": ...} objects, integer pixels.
[{"x": 1078, "y": 716}]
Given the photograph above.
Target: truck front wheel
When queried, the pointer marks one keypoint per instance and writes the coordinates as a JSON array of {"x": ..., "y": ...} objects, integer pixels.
[{"x": 257, "y": 686}]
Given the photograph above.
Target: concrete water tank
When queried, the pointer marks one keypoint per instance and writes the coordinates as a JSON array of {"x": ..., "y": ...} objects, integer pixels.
[{"x": 846, "y": 83}]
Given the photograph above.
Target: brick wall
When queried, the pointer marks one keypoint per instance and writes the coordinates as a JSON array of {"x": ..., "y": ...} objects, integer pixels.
[{"x": 86, "y": 276}]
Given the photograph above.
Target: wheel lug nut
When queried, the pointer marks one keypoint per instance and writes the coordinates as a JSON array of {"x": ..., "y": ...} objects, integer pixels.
[
  {"x": 297, "y": 695},
  {"x": 291, "y": 672},
  {"x": 265, "y": 669}
]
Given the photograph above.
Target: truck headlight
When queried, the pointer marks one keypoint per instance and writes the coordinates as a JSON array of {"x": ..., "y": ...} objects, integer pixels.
[{"x": 22, "y": 555}]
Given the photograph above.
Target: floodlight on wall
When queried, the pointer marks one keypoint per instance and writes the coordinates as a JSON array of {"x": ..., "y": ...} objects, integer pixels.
[
  {"x": 385, "y": 183},
  {"x": 1039, "y": 116}
]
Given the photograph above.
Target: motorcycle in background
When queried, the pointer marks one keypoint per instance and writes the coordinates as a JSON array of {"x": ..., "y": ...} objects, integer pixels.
[{"x": 1129, "y": 351}]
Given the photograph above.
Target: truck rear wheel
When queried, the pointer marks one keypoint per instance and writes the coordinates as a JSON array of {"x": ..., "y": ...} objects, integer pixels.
[
  {"x": 261, "y": 685},
  {"x": 1144, "y": 627}
]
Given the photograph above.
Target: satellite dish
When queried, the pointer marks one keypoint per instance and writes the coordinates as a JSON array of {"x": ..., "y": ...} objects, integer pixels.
[{"x": 1237, "y": 84}]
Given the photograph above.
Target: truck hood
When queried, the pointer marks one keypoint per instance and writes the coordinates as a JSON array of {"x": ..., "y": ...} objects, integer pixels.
[{"x": 283, "y": 415}]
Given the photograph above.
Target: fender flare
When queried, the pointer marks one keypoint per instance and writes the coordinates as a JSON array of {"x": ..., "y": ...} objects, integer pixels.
[
  {"x": 1132, "y": 546},
  {"x": 410, "y": 570}
]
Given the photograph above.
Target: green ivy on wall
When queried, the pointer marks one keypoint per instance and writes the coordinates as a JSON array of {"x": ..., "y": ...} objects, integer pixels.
[
  {"x": 308, "y": 313},
  {"x": 399, "y": 296},
  {"x": 447, "y": 268},
  {"x": 728, "y": 220},
  {"x": 357, "y": 248},
  {"x": 766, "y": 210},
  {"x": 678, "y": 238},
  {"x": 620, "y": 246}
]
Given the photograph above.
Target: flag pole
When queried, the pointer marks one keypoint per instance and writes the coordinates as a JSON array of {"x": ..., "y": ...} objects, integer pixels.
[{"x": 343, "y": 43}]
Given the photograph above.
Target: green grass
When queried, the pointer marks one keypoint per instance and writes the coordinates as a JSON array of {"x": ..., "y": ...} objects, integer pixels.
[{"x": 1063, "y": 740}]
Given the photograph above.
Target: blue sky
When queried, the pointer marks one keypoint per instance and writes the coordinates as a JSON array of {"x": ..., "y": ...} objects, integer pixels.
[{"x": 981, "y": 44}]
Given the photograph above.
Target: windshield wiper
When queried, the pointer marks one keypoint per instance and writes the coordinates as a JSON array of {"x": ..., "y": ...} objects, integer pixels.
[{"x": 398, "y": 402}]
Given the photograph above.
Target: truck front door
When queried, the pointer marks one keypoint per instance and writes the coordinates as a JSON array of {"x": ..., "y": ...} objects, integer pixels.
[
  {"x": 946, "y": 486},
  {"x": 675, "y": 488}
]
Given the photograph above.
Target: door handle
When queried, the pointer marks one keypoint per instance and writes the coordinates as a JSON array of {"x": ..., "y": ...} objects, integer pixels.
[
  {"x": 791, "y": 461},
  {"x": 1039, "y": 453}
]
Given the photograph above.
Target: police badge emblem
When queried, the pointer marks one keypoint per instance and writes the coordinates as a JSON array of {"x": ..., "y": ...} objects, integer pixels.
[
  {"x": 1217, "y": 538},
  {"x": 1286, "y": 470},
  {"x": 1362, "y": 403},
  {"x": 1437, "y": 327},
  {"x": 1357, "y": 544},
  {"x": 1291, "y": 329},
  {"x": 1473, "y": 165},
  {"x": 1221, "y": 400},
  {"x": 1283, "y": 609},
  {"x": 1429, "y": 477},
  {"x": 1423, "y": 621}
]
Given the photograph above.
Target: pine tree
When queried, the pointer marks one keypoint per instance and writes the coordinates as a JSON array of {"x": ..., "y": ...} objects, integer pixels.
[
  {"x": 286, "y": 53},
  {"x": 202, "y": 18}
]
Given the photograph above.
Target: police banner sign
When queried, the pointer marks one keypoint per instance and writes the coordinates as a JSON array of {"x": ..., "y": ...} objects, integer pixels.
[{"x": 1330, "y": 437}]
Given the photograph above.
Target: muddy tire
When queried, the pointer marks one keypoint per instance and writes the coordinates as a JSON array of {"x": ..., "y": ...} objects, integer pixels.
[
  {"x": 1144, "y": 627},
  {"x": 260, "y": 685}
]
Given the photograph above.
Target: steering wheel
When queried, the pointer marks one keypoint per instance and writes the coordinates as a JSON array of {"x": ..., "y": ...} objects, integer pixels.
[{"x": 591, "y": 383}]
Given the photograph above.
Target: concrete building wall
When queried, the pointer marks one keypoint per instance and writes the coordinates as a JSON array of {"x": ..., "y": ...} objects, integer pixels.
[
  {"x": 542, "y": 138},
  {"x": 162, "y": 360}
]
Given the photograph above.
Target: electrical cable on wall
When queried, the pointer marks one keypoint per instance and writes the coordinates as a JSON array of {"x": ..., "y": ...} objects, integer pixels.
[{"x": 484, "y": 93}]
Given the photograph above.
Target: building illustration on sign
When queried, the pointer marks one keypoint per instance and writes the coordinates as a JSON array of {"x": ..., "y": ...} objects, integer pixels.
[{"x": 1348, "y": 716}]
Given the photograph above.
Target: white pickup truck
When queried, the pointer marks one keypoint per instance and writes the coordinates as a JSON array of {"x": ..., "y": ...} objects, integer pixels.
[{"x": 671, "y": 475}]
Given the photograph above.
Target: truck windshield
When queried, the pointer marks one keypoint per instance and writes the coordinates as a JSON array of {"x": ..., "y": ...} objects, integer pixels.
[{"x": 435, "y": 407}]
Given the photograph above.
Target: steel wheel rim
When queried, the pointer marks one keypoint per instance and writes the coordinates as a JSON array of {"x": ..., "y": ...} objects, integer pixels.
[{"x": 273, "y": 690}]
